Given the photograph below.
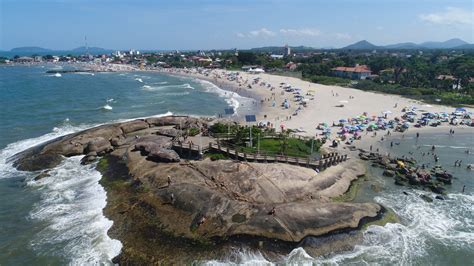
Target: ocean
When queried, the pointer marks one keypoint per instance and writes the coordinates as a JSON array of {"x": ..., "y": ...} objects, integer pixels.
[{"x": 59, "y": 220}]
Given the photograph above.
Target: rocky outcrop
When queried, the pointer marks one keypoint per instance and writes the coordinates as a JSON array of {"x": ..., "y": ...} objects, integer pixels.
[
  {"x": 405, "y": 171},
  {"x": 169, "y": 132},
  {"x": 133, "y": 126},
  {"x": 101, "y": 140},
  {"x": 203, "y": 201}
]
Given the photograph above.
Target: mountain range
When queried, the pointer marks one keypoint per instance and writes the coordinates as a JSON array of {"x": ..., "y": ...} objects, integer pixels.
[
  {"x": 449, "y": 44},
  {"x": 82, "y": 49}
]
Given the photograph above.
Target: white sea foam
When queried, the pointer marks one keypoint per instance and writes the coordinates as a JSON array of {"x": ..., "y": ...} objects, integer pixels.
[
  {"x": 233, "y": 99},
  {"x": 85, "y": 73},
  {"x": 107, "y": 107},
  {"x": 157, "y": 88},
  {"x": 56, "y": 75},
  {"x": 176, "y": 93},
  {"x": 71, "y": 205},
  {"x": 139, "y": 80},
  {"x": 447, "y": 223},
  {"x": 241, "y": 257}
]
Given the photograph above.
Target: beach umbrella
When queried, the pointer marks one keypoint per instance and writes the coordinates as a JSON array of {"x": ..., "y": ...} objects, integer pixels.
[
  {"x": 387, "y": 112},
  {"x": 460, "y": 109},
  {"x": 342, "y": 120},
  {"x": 343, "y": 101}
]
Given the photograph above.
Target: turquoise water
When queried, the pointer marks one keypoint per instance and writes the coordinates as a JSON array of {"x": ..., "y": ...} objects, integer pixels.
[
  {"x": 59, "y": 220},
  {"x": 437, "y": 233}
]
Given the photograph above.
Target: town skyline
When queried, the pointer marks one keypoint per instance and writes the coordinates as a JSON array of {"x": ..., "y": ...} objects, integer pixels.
[{"x": 187, "y": 25}]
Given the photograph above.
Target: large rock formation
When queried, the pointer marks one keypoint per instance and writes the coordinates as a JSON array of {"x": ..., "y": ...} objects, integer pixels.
[{"x": 202, "y": 200}]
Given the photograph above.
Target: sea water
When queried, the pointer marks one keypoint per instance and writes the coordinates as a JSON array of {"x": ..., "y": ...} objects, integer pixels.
[
  {"x": 436, "y": 233},
  {"x": 58, "y": 220}
]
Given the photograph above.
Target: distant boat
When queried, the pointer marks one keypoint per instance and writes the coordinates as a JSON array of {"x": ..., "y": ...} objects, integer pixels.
[{"x": 58, "y": 75}]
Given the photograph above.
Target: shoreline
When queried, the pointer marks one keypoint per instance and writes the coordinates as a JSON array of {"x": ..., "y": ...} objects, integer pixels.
[{"x": 314, "y": 114}]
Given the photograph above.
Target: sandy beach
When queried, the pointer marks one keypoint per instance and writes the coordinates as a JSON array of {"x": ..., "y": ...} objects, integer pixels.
[{"x": 324, "y": 106}]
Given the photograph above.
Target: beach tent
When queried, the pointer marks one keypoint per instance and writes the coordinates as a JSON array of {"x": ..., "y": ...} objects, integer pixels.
[{"x": 460, "y": 109}]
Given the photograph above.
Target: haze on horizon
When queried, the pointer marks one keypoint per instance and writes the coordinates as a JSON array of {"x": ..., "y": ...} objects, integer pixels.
[{"x": 212, "y": 24}]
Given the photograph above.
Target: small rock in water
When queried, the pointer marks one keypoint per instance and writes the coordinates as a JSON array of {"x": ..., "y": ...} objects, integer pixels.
[
  {"x": 426, "y": 198},
  {"x": 42, "y": 175},
  {"x": 439, "y": 197}
]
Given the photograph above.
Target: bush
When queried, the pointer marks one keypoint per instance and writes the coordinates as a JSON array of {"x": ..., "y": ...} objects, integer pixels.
[
  {"x": 216, "y": 156},
  {"x": 326, "y": 80},
  {"x": 193, "y": 131}
]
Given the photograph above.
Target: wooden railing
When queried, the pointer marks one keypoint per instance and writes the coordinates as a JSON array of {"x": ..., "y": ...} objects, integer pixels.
[{"x": 237, "y": 153}]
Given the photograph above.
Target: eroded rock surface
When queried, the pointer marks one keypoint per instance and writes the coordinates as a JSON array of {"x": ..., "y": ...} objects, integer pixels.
[{"x": 202, "y": 200}]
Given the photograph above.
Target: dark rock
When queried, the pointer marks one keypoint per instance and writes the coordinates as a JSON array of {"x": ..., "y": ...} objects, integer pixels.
[
  {"x": 133, "y": 126},
  {"x": 98, "y": 145},
  {"x": 169, "y": 132},
  {"x": 163, "y": 155},
  {"x": 389, "y": 173},
  {"x": 438, "y": 197},
  {"x": 42, "y": 175},
  {"x": 88, "y": 159},
  {"x": 426, "y": 198},
  {"x": 92, "y": 153},
  {"x": 437, "y": 189},
  {"x": 37, "y": 162},
  {"x": 117, "y": 141}
]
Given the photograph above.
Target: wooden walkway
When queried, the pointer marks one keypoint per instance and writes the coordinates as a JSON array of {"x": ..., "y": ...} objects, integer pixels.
[{"x": 326, "y": 160}]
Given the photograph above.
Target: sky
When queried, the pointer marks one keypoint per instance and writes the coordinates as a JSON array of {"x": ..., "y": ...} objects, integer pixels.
[{"x": 212, "y": 24}]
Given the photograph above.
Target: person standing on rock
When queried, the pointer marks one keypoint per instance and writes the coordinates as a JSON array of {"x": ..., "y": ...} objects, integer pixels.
[{"x": 272, "y": 212}]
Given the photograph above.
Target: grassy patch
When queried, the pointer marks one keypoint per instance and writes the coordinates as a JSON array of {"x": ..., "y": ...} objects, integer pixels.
[
  {"x": 351, "y": 193},
  {"x": 193, "y": 131},
  {"x": 214, "y": 156},
  {"x": 389, "y": 216},
  {"x": 289, "y": 147},
  {"x": 113, "y": 175}
]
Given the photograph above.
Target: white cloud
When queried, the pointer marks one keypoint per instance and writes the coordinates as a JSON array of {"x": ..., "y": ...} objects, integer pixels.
[
  {"x": 301, "y": 32},
  {"x": 240, "y": 35},
  {"x": 263, "y": 32},
  {"x": 342, "y": 36},
  {"x": 450, "y": 16}
]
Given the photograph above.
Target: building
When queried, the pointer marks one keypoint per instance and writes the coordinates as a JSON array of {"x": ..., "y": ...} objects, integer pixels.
[
  {"x": 276, "y": 56},
  {"x": 287, "y": 50},
  {"x": 24, "y": 59},
  {"x": 357, "y": 72}
]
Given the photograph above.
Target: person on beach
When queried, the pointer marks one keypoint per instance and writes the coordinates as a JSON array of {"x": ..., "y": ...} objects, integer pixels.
[
  {"x": 433, "y": 147},
  {"x": 417, "y": 135}
]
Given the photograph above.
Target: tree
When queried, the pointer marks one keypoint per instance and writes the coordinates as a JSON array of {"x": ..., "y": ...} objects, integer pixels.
[{"x": 247, "y": 58}]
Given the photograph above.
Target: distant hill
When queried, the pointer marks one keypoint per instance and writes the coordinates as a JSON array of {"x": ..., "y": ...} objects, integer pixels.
[
  {"x": 361, "y": 45},
  {"x": 83, "y": 49},
  {"x": 30, "y": 49},
  {"x": 465, "y": 46},
  {"x": 444, "y": 45},
  {"x": 405, "y": 45},
  {"x": 281, "y": 49},
  {"x": 449, "y": 44}
]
